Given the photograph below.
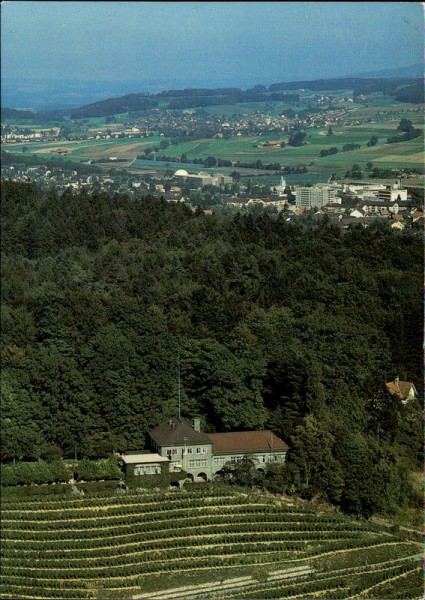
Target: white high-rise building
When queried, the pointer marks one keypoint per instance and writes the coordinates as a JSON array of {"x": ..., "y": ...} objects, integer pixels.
[{"x": 315, "y": 196}]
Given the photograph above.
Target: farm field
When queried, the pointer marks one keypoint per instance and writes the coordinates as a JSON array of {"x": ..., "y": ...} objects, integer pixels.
[
  {"x": 201, "y": 543},
  {"x": 250, "y": 149},
  {"x": 86, "y": 149}
]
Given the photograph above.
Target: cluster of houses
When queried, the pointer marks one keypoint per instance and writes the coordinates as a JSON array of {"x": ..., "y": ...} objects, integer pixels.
[
  {"x": 17, "y": 135},
  {"x": 187, "y": 123},
  {"x": 374, "y": 200},
  {"x": 390, "y": 202}
]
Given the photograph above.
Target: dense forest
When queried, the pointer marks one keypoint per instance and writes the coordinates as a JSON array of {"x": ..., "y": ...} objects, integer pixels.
[
  {"x": 29, "y": 115},
  {"x": 110, "y": 106},
  {"x": 292, "y": 327}
]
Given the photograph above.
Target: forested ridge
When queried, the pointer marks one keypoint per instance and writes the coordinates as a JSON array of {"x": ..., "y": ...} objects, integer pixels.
[
  {"x": 292, "y": 327},
  {"x": 402, "y": 89}
]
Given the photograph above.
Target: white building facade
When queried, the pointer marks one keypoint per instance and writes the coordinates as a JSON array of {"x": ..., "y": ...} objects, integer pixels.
[{"x": 314, "y": 196}]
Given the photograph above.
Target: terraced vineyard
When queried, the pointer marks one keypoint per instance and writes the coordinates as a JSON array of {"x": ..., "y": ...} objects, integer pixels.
[{"x": 201, "y": 543}]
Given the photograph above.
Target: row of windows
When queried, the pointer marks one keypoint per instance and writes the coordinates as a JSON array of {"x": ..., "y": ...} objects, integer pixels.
[
  {"x": 200, "y": 450},
  {"x": 199, "y": 462},
  {"x": 147, "y": 470},
  {"x": 219, "y": 461}
]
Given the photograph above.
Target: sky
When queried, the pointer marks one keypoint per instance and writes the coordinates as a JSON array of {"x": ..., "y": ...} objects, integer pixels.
[{"x": 260, "y": 42}]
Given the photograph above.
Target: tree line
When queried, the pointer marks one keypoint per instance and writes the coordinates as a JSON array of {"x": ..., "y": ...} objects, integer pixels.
[{"x": 406, "y": 132}]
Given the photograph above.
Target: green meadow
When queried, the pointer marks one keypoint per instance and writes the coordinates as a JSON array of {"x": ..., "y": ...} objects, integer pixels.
[
  {"x": 89, "y": 149},
  {"x": 251, "y": 149}
]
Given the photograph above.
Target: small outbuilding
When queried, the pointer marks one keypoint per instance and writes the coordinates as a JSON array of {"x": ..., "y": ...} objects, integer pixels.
[{"x": 148, "y": 463}]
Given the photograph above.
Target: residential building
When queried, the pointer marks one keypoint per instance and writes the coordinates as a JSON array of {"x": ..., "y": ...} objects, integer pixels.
[
  {"x": 405, "y": 390},
  {"x": 268, "y": 203},
  {"x": 202, "y": 455},
  {"x": 315, "y": 196},
  {"x": 185, "y": 446},
  {"x": 374, "y": 206},
  {"x": 398, "y": 225}
]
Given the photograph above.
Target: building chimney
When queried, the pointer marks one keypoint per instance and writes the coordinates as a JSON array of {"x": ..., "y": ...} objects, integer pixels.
[{"x": 197, "y": 424}]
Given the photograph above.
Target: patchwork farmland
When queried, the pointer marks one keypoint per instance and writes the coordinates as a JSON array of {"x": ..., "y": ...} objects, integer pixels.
[
  {"x": 203, "y": 543},
  {"x": 250, "y": 148}
]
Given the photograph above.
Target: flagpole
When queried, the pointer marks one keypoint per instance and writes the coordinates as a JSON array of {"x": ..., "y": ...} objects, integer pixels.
[{"x": 178, "y": 381}]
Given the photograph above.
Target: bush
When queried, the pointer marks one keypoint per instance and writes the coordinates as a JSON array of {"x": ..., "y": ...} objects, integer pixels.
[
  {"x": 410, "y": 135},
  {"x": 26, "y": 473},
  {"x": 89, "y": 470},
  {"x": 329, "y": 151}
]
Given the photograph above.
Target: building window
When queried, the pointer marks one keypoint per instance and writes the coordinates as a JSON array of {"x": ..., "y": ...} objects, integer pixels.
[{"x": 237, "y": 459}]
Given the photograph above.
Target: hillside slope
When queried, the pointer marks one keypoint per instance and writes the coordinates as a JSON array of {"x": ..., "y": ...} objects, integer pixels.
[{"x": 135, "y": 544}]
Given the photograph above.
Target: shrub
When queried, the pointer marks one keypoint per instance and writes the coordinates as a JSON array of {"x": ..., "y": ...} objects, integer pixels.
[
  {"x": 25, "y": 473},
  {"x": 90, "y": 470}
]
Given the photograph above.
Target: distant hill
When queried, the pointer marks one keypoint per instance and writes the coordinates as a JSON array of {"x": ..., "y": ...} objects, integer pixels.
[
  {"x": 416, "y": 70},
  {"x": 406, "y": 89},
  {"x": 12, "y": 113},
  {"x": 390, "y": 86},
  {"x": 111, "y": 106},
  {"x": 29, "y": 115},
  {"x": 402, "y": 89}
]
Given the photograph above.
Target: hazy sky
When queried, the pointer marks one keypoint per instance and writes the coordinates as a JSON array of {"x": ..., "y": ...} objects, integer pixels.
[{"x": 261, "y": 41}]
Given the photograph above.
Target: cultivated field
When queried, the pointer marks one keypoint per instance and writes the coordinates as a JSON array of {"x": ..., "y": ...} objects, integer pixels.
[
  {"x": 203, "y": 543},
  {"x": 250, "y": 149},
  {"x": 89, "y": 149}
]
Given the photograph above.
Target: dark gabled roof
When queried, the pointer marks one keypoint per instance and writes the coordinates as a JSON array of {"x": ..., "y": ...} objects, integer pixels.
[
  {"x": 246, "y": 441},
  {"x": 177, "y": 432}
]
